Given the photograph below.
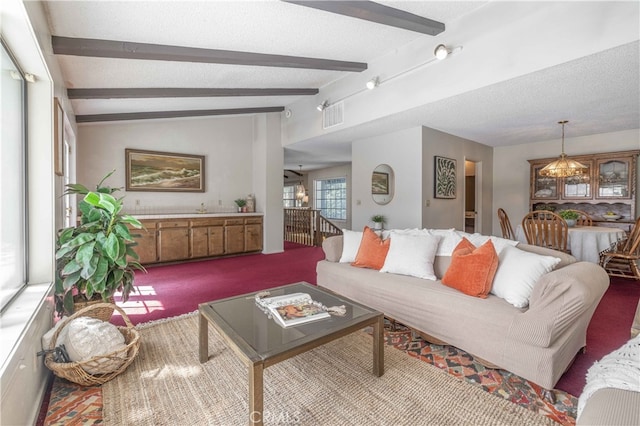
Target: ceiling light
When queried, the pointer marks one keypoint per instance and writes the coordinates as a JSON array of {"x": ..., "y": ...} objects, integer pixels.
[
  {"x": 441, "y": 52},
  {"x": 563, "y": 166},
  {"x": 30, "y": 77},
  {"x": 323, "y": 105},
  {"x": 373, "y": 83}
]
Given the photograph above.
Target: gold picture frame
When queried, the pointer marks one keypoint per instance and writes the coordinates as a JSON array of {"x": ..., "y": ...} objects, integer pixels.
[
  {"x": 164, "y": 171},
  {"x": 58, "y": 137}
]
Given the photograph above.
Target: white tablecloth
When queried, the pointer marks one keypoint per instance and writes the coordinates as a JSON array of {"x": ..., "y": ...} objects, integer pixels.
[{"x": 585, "y": 242}]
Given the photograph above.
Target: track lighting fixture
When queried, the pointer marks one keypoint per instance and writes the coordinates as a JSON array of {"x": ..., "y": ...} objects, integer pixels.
[
  {"x": 441, "y": 52},
  {"x": 323, "y": 106},
  {"x": 373, "y": 83}
]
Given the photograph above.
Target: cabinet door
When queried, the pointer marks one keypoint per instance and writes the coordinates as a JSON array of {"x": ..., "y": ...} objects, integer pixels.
[
  {"x": 579, "y": 187},
  {"x": 253, "y": 237},
  {"x": 613, "y": 178},
  {"x": 233, "y": 239},
  {"x": 543, "y": 187},
  {"x": 216, "y": 240},
  {"x": 199, "y": 242},
  {"x": 173, "y": 244},
  {"x": 146, "y": 248}
]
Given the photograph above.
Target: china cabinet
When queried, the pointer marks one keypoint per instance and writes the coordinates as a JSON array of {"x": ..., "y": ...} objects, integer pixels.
[{"x": 608, "y": 185}]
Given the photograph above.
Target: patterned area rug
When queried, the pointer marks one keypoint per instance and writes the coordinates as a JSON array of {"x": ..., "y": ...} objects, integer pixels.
[{"x": 71, "y": 404}]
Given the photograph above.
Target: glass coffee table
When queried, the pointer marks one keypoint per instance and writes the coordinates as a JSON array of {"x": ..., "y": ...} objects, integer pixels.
[{"x": 260, "y": 342}]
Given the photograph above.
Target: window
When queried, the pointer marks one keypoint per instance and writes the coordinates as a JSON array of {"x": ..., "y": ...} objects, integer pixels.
[
  {"x": 13, "y": 275},
  {"x": 331, "y": 198},
  {"x": 289, "y": 196}
]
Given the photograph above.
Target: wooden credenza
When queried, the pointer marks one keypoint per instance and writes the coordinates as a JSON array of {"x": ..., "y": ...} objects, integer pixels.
[{"x": 185, "y": 238}]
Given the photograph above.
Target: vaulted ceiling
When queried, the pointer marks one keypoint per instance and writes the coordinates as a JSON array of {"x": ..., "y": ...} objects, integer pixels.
[{"x": 156, "y": 59}]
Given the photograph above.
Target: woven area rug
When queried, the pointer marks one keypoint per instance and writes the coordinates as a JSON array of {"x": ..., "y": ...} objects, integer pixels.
[{"x": 332, "y": 384}]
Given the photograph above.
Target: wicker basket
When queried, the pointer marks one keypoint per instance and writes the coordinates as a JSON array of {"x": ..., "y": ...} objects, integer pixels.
[
  {"x": 103, "y": 314},
  {"x": 74, "y": 371}
]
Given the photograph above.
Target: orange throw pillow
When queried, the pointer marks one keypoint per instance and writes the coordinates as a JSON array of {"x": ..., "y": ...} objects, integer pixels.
[
  {"x": 472, "y": 269},
  {"x": 372, "y": 251}
]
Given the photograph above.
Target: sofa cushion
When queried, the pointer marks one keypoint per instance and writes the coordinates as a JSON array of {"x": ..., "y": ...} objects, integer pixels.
[
  {"x": 517, "y": 273},
  {"x": 372, "y": 251},
  {"x": 350, "y": 244},
  {"x": 411, "y": 254},
  {"x": 472, "y": 269}
]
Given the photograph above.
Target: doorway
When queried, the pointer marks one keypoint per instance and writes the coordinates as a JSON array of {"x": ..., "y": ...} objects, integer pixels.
[{"x": 472, "y": 196}]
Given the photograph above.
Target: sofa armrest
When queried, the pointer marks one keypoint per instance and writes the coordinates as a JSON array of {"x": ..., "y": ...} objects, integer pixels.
[
  {"x": 332, "y": 248},
  {"x": 558, "y": 299}
]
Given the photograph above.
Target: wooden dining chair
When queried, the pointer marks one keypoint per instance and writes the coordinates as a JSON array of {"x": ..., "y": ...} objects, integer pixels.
[
  {"x": 623, "y": 257},
  {"x": 505, "y": 225},
  {"x": 583, "y": 219},
  {"x": 545, "y": 228}
]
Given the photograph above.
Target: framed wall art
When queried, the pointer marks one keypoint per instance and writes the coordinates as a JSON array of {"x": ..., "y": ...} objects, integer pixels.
[
  {"x": 445, "y": 177},
  {"x": 163, "y": 171},
  {"x": 380, "y": 183},
  {"x": 58, "y": 138}
]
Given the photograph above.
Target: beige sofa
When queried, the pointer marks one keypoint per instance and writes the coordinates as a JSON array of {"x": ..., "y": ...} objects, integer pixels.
[{"x": 537, "y": 343}]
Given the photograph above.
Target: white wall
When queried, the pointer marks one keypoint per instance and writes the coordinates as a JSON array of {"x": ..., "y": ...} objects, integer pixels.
[
  {"x": 511, "y": 172},
  {"x": 226, "y": 143},
  {"x": 449, "y": 213},
  {"x": 402, "y": 151}
]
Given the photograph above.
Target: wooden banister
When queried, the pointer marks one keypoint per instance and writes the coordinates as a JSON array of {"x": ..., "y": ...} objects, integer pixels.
[{"x": 307, "y": 226}]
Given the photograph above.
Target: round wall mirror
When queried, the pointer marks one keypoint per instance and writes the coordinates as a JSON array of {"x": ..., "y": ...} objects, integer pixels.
[{"x": 382, "y": 184}]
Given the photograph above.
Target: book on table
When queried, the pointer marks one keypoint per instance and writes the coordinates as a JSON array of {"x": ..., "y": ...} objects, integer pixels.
[{"x": 292, "y": 309}]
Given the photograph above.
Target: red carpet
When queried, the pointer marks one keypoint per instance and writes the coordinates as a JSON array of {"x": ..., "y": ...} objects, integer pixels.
[{"x": 170, "y": 290}]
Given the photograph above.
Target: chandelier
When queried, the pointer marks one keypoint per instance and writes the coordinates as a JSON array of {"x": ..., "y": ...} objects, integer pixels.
[
  {"x": 300, "y": 190},
  {"x": 563, "y": 166}
]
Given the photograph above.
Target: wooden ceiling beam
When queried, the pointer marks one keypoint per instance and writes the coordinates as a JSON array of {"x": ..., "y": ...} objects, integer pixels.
[
  {"x": 376, "y": 12},
  {"x": 127, "y": 93},
  {"x": 160, "y": 52},
  {"x": 151, "y": 115}
]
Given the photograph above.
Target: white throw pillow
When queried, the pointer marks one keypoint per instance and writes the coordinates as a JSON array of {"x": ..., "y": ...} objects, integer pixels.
[
  {"x": 449, "y": 239},
  {"x": 478, "y": 239},
  {"x": 350, "y": 244},
  {"x": 411, "y": 254},
  {"x": 517, "y": 273}
]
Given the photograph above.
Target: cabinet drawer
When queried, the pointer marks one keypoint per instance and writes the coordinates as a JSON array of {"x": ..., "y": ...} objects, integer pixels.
[
  {"x": 174, "y": 224},
  {"x": 234, "y": 221},
  {"x": 253, "y": 220},
  {"x": 207, "y": 222},
  {"x": 149, "y": 224}
]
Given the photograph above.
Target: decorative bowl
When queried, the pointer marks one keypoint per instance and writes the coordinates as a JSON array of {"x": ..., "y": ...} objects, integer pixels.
[{"x": 611, "y": 217}]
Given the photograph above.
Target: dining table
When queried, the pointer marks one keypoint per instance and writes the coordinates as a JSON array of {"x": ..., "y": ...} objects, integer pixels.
[{"x": 585, "y": 242}]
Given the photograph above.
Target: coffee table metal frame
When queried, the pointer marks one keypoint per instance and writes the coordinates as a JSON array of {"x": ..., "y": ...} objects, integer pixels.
[{"x": 257, "y": 362}]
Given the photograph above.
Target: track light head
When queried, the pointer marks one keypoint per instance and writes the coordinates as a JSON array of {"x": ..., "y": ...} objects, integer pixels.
[
  {"x": 373, "y": 83},
  {"x": 323, "y": 106},
  {"x": 441, "y": 52}
]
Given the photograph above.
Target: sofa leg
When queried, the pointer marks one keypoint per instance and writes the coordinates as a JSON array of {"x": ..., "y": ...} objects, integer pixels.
[{"x": 549, "y": 395}]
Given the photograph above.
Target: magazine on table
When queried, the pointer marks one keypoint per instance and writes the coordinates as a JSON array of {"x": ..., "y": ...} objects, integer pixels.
[{"x": 292, "y": 309}]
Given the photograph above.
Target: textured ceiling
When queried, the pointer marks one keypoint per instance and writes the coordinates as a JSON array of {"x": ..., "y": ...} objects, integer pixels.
[{"x": 598, "y": 93}]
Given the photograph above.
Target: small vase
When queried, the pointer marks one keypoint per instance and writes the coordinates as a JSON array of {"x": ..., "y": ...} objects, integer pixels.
[
  {"x": 377, "y": 226},
  {"x": 571, "y": 222}
]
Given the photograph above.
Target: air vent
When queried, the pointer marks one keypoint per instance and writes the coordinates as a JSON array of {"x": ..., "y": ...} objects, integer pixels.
[{"x": 333, "y": 115}]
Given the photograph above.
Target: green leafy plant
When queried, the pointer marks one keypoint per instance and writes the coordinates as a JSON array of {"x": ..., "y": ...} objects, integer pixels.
[
  {"x": 240, "y": 202},
  {"x": 566, "y": 214},
  {"x": 378, "y": 218},
  {"x": 96, "y": 258}
]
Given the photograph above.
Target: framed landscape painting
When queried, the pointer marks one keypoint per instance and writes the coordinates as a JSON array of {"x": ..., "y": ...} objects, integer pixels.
[
  {"x": 380, "y": 183},
  {"x": 445, "y": 177},
  {"x": 163, "y": 171}
]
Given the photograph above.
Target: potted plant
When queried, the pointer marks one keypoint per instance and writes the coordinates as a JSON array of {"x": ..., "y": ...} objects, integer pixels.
[
  {"x": 378, "y": 221},
  {"x": 95, "y": 259},
  {"x": 569, "y": 216},
  {"x": 241, "y": 203}
]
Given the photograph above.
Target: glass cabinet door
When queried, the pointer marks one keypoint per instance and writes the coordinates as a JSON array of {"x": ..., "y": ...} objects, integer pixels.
[
  {"x": 578, "y": 187},
  {"x": 613, "y": 178},
  {"x": 543, "y": 187}
]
